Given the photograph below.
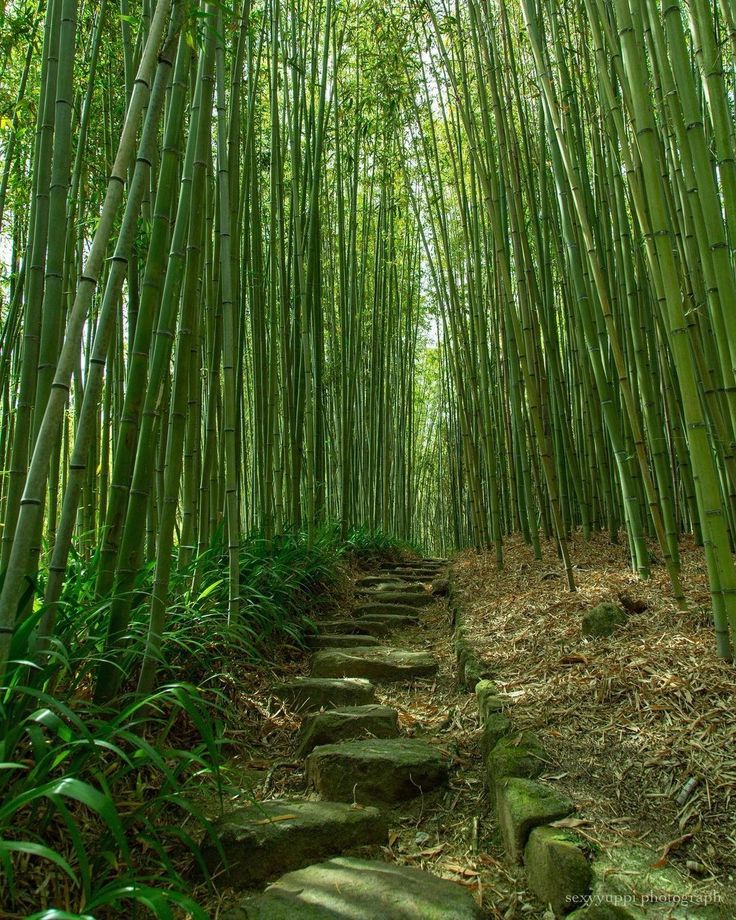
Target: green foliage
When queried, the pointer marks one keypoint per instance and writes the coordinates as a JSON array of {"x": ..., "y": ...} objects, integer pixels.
[
  {"x": 364, "y": 545},
  {"x": 104, "y": 796},
  {"x": 102, "y": 801}
]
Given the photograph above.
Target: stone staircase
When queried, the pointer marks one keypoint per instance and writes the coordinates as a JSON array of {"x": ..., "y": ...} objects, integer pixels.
[{"x": 360, "y": 767}]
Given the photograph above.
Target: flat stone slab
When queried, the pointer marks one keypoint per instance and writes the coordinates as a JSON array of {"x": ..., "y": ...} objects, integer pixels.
[
  {"x": 380, "y": 772},
  {"x": 361, "y": 889},
  {"x": 385, "y": 664},
  {"x": 372, "y": 581},
  {"x": 395, "y": 595},
  {"x": 384, "y": 599},
  {"x": 336, "y": 640},
  {"x": 310, "y": 694},
  {"x": 266, "y": 839},
  {"x": 379, "y": 608},
  {"x": 347, "y": 724},
  {"x": 349, "y": 627},
  {"x": 381, "y": 624},
  {"x": 415, "y": 574},
  {"x": 396, "y": 568},
  {"x": 416, "y": 564},
  {"x": 399, "y": 585}
]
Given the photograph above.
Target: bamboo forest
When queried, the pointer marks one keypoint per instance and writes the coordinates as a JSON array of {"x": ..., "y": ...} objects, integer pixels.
[{"x": 368, "y": 459}]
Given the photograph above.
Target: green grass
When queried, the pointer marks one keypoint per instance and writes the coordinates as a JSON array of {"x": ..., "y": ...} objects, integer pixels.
[
  {"x": 371, "y": 546},
  {"x": 97, "y": 806}
]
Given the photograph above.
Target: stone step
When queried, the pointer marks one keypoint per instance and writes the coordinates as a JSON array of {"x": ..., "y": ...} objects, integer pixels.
[
  {"x": 346, "y": 627},
  {"x": 404, "y": 571},
  {"x": 370, "y": 581},
  {"x": 360, "y": 889},
  {"x": 310, "y": 694},
  {"x": 383, "y": 624},
  {"x": 335, "y": 640},
  {"x": 414, "y": 564},
  {"x": 347, "y": 723},
  {"x": 380, "y": 664},
  {"x": 420, "y": 577},
  {"x": 265, "y": 839},
  {"x": 376, "y": 772},
  {"x": 418, "y": 598},
  {"x": 376, "y": 608},
  {"x": 398, "y": 587}
]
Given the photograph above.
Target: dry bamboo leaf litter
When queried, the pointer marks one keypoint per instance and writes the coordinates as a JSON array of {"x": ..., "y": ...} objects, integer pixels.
[{"x": 627, "y": 720}]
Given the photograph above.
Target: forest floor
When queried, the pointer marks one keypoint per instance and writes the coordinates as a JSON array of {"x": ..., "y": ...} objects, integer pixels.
[
  {"x": 626, "y": 720},
  {"x": 449, "y": 833}
]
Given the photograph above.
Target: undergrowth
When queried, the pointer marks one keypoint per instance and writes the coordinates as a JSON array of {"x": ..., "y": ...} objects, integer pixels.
[{"x": 98, "y": 812}]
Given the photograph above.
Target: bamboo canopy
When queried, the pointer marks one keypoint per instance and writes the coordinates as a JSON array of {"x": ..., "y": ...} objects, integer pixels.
[{"x": 446, "y": 270}]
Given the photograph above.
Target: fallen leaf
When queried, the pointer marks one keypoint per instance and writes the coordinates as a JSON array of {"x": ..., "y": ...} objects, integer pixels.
[
  {"x": 669, "y": 848},
  {"x": 432, "y": 851},
  {"x": 571, "y": 822},
  {"x": 460, "y": 870}
]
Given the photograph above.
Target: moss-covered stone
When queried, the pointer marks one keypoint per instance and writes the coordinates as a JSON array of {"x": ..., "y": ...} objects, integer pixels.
[
  {"x": 382, "y": 624},
  {"x": 336, "y": 640},
  {"x": 347, "y": 724},
  {"x": 376, "y": 771},
  {"x": 515, "y": 755},
  {"x": 606, "y": 912},
  {"x": 603, "y": 620},
  {"x": 415, "y": 574},
  {"x": 310, "y": 694},
  {"x": 390, "y": 598},
  {"x": 379, "y": 608},
  {"x": 557, "y": 868},
  {"x": 495, "y": 726},
  {"x": 267, "y": 839},
  {"x": 628, "y": 871},
  {"x": 381, "y": 664},
  {"x": 488, "y": 698},
  {"x": 522, "y": 805},
  {"x": 361, "y": 889},
  {"x": 347, "y": 627},
  {"x": 475, "y": 670},
  {"x": 379, "y": 581},
  {"x": 471, "y": 669}
]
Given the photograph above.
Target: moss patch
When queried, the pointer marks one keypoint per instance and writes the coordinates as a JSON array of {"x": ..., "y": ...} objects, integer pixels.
[{"x": 603, "y": 620}]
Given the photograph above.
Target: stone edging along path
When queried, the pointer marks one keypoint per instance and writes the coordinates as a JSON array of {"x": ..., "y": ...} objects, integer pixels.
[
  {"x": 536, "y": 822},
  {"x": 361, "y": 774},
  {"x": 529, "y": 813}
]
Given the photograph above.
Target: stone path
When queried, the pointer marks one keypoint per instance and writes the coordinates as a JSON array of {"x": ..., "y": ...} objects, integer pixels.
[{"x": 359, "y": 770}]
